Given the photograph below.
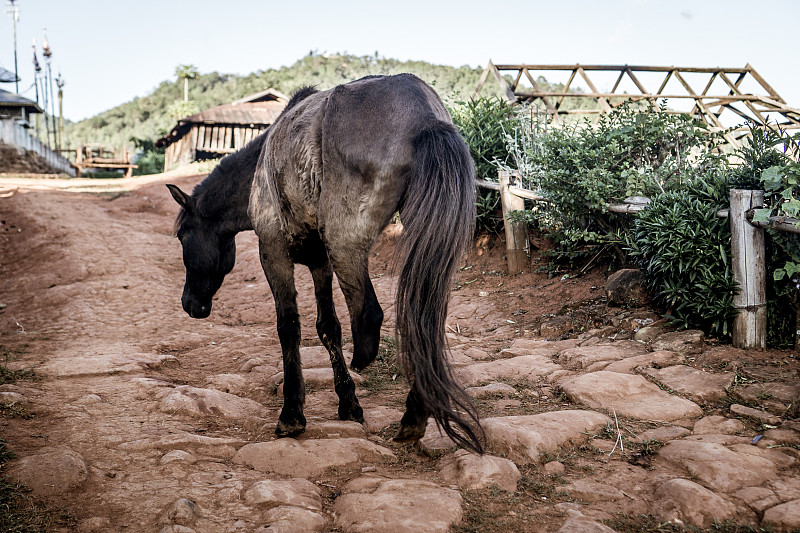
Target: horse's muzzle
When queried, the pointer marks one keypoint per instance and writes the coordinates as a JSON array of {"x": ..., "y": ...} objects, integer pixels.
[{"x": 196, "y": 309}]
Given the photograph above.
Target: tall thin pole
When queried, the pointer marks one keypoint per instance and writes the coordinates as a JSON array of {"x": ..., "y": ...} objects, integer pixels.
[
  {"x": 48, "y": 54},
  {"x": 13, "y": 10},
  {"x": 60, "y": 84},
  {"x": 37, "y": 69}
]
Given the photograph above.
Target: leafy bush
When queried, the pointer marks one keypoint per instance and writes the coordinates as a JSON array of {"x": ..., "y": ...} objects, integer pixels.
[
  {"x": 769, "y": 163},
  {"x": 581, "y": 169},
  {"x": 683, "y": 250},
  {"x": 483, "y": 123}
]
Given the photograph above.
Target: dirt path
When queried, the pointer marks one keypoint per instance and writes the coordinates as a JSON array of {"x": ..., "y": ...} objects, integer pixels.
[{"x": 143, "y": 419}]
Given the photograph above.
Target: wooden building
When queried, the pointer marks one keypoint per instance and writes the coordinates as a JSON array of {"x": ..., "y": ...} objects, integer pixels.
[{"x": 221, "y": 130}]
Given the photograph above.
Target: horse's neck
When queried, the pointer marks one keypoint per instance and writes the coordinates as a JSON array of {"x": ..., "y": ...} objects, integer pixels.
[{"x": 231, "y": 190}]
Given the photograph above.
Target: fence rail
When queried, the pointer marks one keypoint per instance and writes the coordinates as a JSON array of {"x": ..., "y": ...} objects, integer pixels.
[
  {"x": 747, "y": 248},
  {"x": 15, "y": 134}
]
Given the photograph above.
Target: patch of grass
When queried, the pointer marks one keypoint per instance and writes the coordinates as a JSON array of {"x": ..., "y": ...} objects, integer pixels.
[
  {"x": 383, "y": 373},
  {"x": 19, "y": 512}
]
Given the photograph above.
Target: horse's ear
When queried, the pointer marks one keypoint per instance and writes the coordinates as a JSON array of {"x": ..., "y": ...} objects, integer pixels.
[{"x": 183, "y": 199}]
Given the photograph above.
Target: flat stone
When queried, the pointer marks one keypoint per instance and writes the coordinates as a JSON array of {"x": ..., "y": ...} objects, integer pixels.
[
  {"x": 586, "y": 356},
  {"x": 592, "y": 491},
  {"x": 209, "y": 402},
  {"x": 772, "y": 395},
  {"x": 782, "y": 459},
  {"x": 94, "y": 524},
  {"x": 295, "y": 492},
  {"x": 758, "y": 499},
  {"x": 526, "y": 439},
  {"x": 578, "y": 523},
  {"x": 435, "y": 439},
  {"x": 524, "y": 367},
  {"x": 699, "y": 386},
  {"x": 716, "y": 424},
  {"x": 50, "y": 472},
  {"x": 379, "y": 505},
  {"x": 223, "y": 447},
  {"x": 179, "y": 456},
  {"x": 182, "y": 511},
  {"x": 328, "y": 429},
  {"x": 663, "y": 434},
  {"x": 658, "y": 359},
  {"x": 12, "y": 398},
  {"x": 458, "y": 358},
  {"x": 377, "y": 418},
  {"x": 470, "y": 471},
  {"x": 556, "y": 327},
  {"x": 322, "y": 377},
  {"x": 491, "y": 390},
  {"x": 761, "y": 416},
  {"x": 628, "y": 395},
  {"x": 783, "y": 436},
  {"x": 230, "y": 383},
  {"x": 476, "y": 354},
  {"x": 648, "y": 333},
  {"x": 682, "y": 502},
  {"x": 539, "y": 347},
  {"x": 783, "y": 517},
  {"x": 101, "y": 364},
  {"x": 717, "y": 467},
  {"x": 308, "y": 458},
  {"x": 687, "y": 342},
  {"x": 288, "y": 519}
]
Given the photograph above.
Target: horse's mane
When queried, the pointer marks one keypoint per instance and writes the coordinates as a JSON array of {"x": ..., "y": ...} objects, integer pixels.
[
  {"x": 225, "y": 179},
  {"x": 301, "y": 94}
]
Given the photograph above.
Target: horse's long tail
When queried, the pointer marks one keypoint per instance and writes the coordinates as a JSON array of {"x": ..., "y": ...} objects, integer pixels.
[{"x": 438, "y": 216}]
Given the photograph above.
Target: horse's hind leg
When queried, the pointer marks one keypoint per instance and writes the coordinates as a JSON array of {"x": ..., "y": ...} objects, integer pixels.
[
  {"x": 280, "y": 274},
  {"x": 366, "y": 315},
  {"x": 415, "y": 419},
  {"x": 330, "y": 333}
]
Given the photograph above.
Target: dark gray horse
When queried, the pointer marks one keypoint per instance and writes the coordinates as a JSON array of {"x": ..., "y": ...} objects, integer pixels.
[{"x": 322, "y": 184}]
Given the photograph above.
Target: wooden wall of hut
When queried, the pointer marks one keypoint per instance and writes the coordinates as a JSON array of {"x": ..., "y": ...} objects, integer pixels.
[{"x": 215, "y": 139}]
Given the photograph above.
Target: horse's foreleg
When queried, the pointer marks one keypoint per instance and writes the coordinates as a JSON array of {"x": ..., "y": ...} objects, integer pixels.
[
  {"x": 330, "y": 333},
  {"x": 280, "y": 274},
  {"x": 366, "y": 315}
]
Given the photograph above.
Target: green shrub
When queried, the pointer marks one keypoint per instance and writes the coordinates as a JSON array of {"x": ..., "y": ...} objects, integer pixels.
[
  {"x": 483, "y": 123},
  {"x": 581, "y": 169},
  {"x": 683, "y": 250}
]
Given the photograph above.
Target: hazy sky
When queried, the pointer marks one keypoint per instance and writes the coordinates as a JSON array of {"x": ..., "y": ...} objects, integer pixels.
[{"x": 111, "y": 51}]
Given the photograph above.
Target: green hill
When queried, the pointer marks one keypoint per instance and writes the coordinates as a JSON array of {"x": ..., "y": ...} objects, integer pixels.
[{"x": 148, "y": 117}]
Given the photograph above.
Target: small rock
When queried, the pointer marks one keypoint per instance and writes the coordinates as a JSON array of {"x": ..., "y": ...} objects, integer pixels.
[
  {"x": 648, "y": 333},
  {"x": 684, "y": 502},
  {"x": 687, "y": 342},
  {"x": 761, "y": 416},
  {"x": 178, "y": 455},
  {"x": 699, "y": 386},
  {"x": 470, "y": 471},
  {"x": 52, "y": 471},
  {"x": 578, "y": 523},
  {"x": 718, "y": 467},
  {"x": 716, "y": 424},
  {"x": 555, "y": 327},
  {"x": 296, "y": 492},
  {"x": 230, "y": 383},
  {"x": 380, "y": 505},
  {"x": 758, "y": 499},
  {"x": 663, "y": 434},
  {"x": 287, "y": 519},
  {"x": 783, "y": 517},
  {"x": 210, "y": 402},
  {"x": 529, "y": 367},
  {"x": 593, "y": 491},
  {"x": 96, "y": 523},
  {"x": 626, "y": 287},
  {"x": 586, "y": 356},
  {"x": 628, "y": 395},
  {"x": 182, "y": 512},
  {"x": 12, "y": 398},
  {"x": 554, "y": 468},
  {"x": 659, "y": 359},
  {"x": 783, "y": 436},
  {"x": 492, "y": 389}
]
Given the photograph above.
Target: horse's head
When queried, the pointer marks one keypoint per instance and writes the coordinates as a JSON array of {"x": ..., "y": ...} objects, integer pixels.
[{"x": 208, "y": 254}]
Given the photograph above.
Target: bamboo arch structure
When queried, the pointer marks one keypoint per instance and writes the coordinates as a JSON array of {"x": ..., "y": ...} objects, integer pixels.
[{"x": 728, "y": 94}]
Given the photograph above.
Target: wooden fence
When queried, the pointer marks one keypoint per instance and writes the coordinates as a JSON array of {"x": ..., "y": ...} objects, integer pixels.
[{"x": 747, "y": 248}]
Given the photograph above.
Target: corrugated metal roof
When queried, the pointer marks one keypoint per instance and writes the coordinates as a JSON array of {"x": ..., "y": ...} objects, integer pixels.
[{"x": 8, "y": 99}]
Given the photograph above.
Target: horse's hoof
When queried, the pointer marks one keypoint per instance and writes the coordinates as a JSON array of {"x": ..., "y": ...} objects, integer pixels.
[
  {"x": 410, "y": 433},
  {"x": 354, "y": 413},
  {"x": 289, "y": 430}
]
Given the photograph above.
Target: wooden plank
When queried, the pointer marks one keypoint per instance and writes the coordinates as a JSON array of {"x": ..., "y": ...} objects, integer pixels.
[
  {"x": 482, "y": 80},
  {"x": 603, "y": 102},
  {"x": 517, "y": 246},
  {"x": 635, "y": 68},
  {"x": 550, "y": 107},
  {"x": 749, "y": 271},
  {"x": 510, "y": 96},
  {"x": 772, "y": 92}
]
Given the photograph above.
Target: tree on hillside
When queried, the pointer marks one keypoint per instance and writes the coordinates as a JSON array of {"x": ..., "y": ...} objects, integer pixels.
[{"x": 186, "y": 73}]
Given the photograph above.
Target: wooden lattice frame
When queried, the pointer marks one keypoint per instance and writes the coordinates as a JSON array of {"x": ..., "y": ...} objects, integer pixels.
[{"x": 767, "y": 109}]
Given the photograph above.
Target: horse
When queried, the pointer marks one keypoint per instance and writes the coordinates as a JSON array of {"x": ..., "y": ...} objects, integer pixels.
[{"x": 318, "y": 188}]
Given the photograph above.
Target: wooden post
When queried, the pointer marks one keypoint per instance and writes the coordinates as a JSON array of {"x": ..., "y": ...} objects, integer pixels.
[
  {"x": 749, "y": 270},
  {"x": 516, "y": 232}
]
